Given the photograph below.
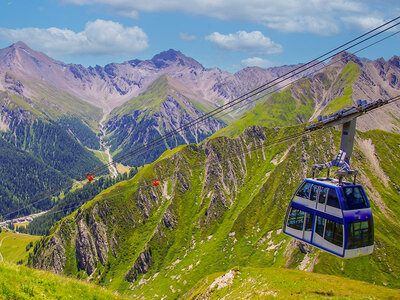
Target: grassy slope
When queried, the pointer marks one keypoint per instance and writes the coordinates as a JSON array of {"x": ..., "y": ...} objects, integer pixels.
[
  {"x": 242, "y": 236},
  {"x": 13, "y": 247},
  {"x": 344, "y": 81},
  {"x": 279, "y": 109},
  {"x": 18, "y": 282},
  {"x": 255, "y": 283},
  {"x": 248, "y": 233},
  {"x": 154, "y": 95},
  {"x": 14, "y": 103},
  {"x": 57, "y": 103},
  {"x": 149, "y": 99},
  {"x": 285, "y": 109}
]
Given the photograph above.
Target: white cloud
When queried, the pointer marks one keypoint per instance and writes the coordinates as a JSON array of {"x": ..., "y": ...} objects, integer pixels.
[
  {"x": 323, "y": 17},
  {"x": 253, "y": 42},
  {"x": 98, "y": 38},
  {"x": 363, "y": 22},
  {"x": 187, "y": 37},
  {"x": 258, "y": 62},
  {"x": 303, "y": 24}
]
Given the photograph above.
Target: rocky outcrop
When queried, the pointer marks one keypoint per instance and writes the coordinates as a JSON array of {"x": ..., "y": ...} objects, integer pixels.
[
  {"x": 51, "y": 254},
  {"x": 141, "y": 266},
  {"x": 85, "y": 249},
  {"x": 12, "y": 84}
]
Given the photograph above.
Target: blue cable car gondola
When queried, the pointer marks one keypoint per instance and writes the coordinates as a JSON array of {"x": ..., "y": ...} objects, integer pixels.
[
  {"x": 332, "y": 214},
  {"x": 335, "y": 218}
]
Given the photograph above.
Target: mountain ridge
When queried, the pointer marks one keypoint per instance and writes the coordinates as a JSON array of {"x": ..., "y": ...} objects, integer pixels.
[{"x": 116, "y": 83}]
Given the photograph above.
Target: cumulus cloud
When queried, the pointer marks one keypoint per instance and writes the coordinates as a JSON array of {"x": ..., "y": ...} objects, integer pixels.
[
  {"x": 258, "y": 62},
  {"x": 98, "y": 38},
  {"x": 253, "y": 42},
  {"x": 363, "y": 22},
  {"x": 321, "y": 17},
  {"x": 187, "y": 37}
]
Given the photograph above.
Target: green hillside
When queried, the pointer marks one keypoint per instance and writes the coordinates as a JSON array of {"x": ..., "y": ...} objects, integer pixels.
[
  {"x": 15, "y": 247},
  {"x": 296, "y": 103},
  {"x": 343, "y": 82},
  {"x": 56, "y": 103},
  {"x": 259, "y": 283},
  {"x": 155, "y": 95},
  {"x": 279, "y": 109},
  {"x": 220, "y": 206},
  {"x": 148, "y": 100},
  {"x": 19, "y": 282}
]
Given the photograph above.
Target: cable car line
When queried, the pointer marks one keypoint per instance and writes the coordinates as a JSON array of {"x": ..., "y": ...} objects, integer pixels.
[
  {"x": 146, "y": 184},
  {"x": 317, "y": 70},
  {"x": 149, "y": 183},
  {"x": 215, "y": 111},
  {"x": 242, "y": 98}
]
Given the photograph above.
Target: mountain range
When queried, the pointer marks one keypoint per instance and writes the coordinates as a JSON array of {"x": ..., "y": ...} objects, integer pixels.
[
  {"x": 112, "y": 85},
  {"x": 47, "y": 104},
  {"x": 215, "y": 218},
  {"x": 60, "y": 113}
]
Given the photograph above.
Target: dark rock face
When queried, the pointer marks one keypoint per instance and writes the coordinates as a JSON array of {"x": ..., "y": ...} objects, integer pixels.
[
  {"x": 85, "y": 249},
  {"x": 169, "y": 219},
  {"x": 92, "y": 239},
  {"x": 53, "y": 256},
  {"x": 141, "y": 266},
  {"x": 13, "y": 84}
]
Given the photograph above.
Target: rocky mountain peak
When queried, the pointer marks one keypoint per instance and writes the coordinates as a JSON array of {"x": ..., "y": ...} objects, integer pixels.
[
  {"x": 395, "y": 61},
  {"x": 171, "y": 56},
  {"x": 21, "y": 57},
  {"x": 20, "y": 45},
  {"x": 343, "y": 58}
]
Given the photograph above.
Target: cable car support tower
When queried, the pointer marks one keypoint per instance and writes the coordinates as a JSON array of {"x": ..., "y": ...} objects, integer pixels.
[{"x": 346, "y": 117}]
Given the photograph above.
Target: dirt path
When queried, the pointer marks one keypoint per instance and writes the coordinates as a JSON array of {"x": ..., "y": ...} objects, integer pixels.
[{"x": 1, "y": 242}]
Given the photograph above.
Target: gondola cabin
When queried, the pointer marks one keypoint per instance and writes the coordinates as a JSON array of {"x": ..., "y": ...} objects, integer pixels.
[{"x": 335, "y": 218}]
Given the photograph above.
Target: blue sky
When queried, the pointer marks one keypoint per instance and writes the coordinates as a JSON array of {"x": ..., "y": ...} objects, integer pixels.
[{"x": 228, "y": 34}]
